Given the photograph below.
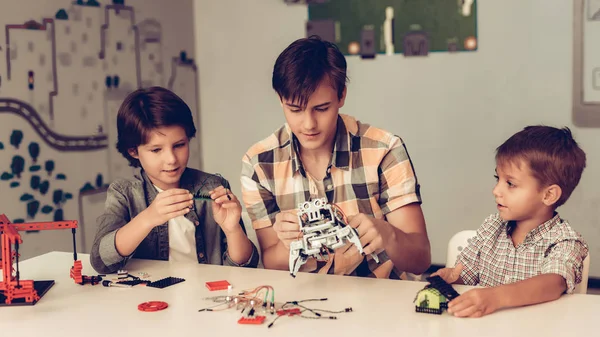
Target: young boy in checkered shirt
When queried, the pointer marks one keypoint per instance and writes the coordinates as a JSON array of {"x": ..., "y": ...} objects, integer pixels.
[{"x": 526, "y": 253}]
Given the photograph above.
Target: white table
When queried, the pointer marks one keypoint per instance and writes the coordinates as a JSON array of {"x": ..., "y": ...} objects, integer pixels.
[{"x": 380, "y": 307}]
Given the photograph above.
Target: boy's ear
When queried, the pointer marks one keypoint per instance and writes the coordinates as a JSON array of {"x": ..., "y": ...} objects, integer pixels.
[
  {"x": 551, "y": 195},
  {"x": 133, "y": 152}
]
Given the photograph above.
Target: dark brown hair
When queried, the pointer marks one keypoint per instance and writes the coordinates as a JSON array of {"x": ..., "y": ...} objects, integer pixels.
[
  {"x": 302, "y": 67},
  {"x": 146, "y": 109},
  {"x": 552, "y": 155}
]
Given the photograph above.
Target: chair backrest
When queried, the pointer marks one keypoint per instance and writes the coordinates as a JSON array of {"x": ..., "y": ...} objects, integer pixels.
[
  {"x": 456, "y": 244},
  {"x": 581, "y": 288}
]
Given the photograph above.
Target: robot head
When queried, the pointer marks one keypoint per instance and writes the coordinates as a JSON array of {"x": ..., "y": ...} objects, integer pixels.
[{"x": 311, "y": 211}]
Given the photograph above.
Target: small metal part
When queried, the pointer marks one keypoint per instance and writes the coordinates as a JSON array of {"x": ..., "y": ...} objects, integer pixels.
[
  {"x": 122, "y": 274},
  {"x": 108, "y": 283}
]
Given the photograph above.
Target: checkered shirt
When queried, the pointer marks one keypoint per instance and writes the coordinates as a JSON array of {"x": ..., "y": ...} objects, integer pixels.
[
  {"x": 491, "y": 259},
  {"x": 370, "y": 172}
]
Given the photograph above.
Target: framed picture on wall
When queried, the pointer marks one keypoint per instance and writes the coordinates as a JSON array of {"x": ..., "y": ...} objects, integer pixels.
[{"x": 586, "y": 63}]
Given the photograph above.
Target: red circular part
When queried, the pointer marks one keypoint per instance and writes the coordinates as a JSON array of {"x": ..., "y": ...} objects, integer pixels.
[{"x": 152, "y": 306}]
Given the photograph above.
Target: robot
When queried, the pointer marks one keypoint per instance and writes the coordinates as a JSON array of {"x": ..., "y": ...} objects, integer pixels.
[{"x": 324, "y": 229}]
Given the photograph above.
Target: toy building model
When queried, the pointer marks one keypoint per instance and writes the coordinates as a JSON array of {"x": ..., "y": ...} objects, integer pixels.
[
  {"x": 434, "y": 298},
  {"x": 431, "y": 301},
  {"x": 323, "y": 230}
]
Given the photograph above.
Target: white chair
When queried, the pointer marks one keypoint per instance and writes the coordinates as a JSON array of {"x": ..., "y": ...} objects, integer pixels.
[
  {"x": 581, "y": 288},
  {"x": 461, "y": 239},
  {"x": 457, "y": 243}
]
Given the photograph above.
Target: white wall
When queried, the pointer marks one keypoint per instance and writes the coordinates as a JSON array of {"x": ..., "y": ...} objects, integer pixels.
[{"x": 451, "y": 110}]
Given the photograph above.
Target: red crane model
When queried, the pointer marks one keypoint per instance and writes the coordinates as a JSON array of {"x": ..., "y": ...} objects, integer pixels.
[{"x": 15, "y": 291}]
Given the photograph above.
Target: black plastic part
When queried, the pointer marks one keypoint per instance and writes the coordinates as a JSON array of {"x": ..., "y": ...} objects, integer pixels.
[
  {"x": 165, "y": 282},
  {"x": 443, "y": 287},
  {"x": 429, "y": 310}
]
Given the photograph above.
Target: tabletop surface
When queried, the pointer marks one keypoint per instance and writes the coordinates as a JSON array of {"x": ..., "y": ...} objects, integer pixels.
[{"x": 379, "y": 307}]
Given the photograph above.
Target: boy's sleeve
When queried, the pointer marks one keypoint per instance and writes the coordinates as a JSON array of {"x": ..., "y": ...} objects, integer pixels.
[
  {"x": 397, "y": 179},
  {"x": 254, "y": 256},
  {"x": 565, "y": 258},
  {"x": 470, "y": 256},
  {"x": 260, "y": 203},
  {"x": 104, "y": 257},
  {"x": 251, "y": 263}
]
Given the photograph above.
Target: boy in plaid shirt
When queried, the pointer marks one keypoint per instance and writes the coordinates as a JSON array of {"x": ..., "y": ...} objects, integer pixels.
[
  {"x": 320, "y": 153},
  {"x": 526, "y": 253}
]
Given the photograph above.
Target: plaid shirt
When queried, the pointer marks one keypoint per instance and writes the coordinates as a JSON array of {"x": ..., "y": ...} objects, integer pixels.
[
  {"x": 370, "y": 172},
  {"x": 491, "y": 259}
]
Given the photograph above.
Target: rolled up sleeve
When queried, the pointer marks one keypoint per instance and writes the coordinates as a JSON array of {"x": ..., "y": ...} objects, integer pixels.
[
  {"x": 104, "y": 256},
  {"x": 565, "y": 258}
]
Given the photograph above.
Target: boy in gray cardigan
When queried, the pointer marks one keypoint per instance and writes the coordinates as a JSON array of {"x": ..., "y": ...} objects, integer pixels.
[{"x": 155, "y": 215}]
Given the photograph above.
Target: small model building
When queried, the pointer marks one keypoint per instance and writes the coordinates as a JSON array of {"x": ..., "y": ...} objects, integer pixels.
[
  {"x": 430, "y": 301},
  {"x": 434, "y": 298}
]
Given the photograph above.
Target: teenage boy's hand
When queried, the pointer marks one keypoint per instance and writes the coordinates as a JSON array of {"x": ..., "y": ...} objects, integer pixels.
[
  {"x": 449, "y": 275},
  {"x": 169, "y": 204},
  {"x": 373, "y": 233},
  {"x": 347, "y": 259},
  {"x": 226, "y": 208},
  {"x": 475, "y": 303},
  {"x": 287, "y": 227}
]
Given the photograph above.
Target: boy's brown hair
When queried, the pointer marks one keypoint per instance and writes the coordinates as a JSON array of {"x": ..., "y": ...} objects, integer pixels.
[
  {"x": 304, "y": 64},
  {"x": 146, "y": 109},
  {"x": 551, "y": 153}
]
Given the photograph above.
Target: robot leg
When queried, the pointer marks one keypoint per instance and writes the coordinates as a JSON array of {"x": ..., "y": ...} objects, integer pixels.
[
  {"x": 355, "y": 240},
  {"x": 297, "y": 257}
]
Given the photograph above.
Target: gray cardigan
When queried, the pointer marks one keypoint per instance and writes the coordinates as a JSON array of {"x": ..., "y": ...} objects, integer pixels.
[{"x": 127, "y": 198}]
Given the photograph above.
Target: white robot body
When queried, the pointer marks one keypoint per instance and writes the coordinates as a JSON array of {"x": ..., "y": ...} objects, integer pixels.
[{"x": 323, "y": 230}]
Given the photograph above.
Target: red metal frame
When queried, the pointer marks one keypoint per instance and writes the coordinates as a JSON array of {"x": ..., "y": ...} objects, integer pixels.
[{"x": 11, "y": 286}]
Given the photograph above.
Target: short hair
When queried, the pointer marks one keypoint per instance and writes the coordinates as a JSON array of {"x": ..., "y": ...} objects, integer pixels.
[
  {"x": 551, "y": 153},
  {"x": 145, "y": 110},
  {"x": 304, "y": 65}
]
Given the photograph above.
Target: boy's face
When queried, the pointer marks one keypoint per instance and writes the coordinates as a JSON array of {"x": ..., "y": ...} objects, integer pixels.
[
  {"x": 315, "y": 125},
  {"x": 165, "y": 155},
  {"x": 518, "y": 193}
]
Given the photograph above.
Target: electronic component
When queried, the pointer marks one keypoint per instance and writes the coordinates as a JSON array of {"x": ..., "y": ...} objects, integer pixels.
[
  {"x": 299, "y": 308},
  {"x": 122, "y": 274},
  {"x": 288, "y": 312},
  {"x": 209, "y": 183},
  {"x": 133, "y": 282},
  {"x": 252, "y": 320},
  {"x": 218, "y": 285},
  {"x": 108, "y": 283}
]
